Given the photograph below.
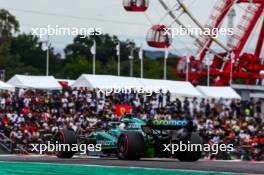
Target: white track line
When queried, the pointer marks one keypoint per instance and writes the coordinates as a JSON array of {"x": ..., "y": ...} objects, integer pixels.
[
  {"x": 98, "y": 157},
  {"x": 109, "y": 166}
]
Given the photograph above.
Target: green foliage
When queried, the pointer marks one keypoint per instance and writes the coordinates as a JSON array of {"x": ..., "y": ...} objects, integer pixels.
[
  {"x": 22, "y": 54},
  {"x": 8, "y": 24},
  {"x": 75, "y": 68}
]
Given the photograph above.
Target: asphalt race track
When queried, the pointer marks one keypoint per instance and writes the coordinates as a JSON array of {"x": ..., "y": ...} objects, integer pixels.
[{"x": 202, "y": 165}]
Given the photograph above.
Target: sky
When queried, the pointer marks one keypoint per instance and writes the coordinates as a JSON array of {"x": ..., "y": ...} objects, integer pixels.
[{"x": 110, "y": 16}]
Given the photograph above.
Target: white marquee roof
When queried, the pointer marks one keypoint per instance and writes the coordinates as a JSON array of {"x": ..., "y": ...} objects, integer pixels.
[
  {"x": 219, "y": 92},
  {"x": 179, "y": 88},
  {"x": 35, "y": 82},
  {"x": 5, "y": 86}
]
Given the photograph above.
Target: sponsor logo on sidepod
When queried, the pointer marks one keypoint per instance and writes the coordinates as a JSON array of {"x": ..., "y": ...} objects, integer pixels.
[{"x": 170, "y": 122}]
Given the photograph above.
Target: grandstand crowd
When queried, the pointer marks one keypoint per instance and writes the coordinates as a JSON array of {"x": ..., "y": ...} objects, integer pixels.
[{"x": 34, "y": 116}]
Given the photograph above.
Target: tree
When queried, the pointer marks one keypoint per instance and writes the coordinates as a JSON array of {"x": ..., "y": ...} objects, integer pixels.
[
  {"x": 75, "y": 68},
  {"x": 22, "y": 54},
  {"x": 8, "y": 26},
  {"x": 28, "y": 48},
  {"x": 105, "y": 48}
]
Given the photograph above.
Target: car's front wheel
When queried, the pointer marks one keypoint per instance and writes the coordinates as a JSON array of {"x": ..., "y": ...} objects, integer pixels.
[
  {"x": 130, "y": 145},
  {"x": 66, "y": 137}
]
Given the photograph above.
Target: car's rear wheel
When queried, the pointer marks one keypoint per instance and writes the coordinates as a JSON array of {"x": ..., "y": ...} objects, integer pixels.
[
  {"x": 65, "y": 137},
  {"x": 130, "y": 145},
  {"x": 191, "y": 156}
]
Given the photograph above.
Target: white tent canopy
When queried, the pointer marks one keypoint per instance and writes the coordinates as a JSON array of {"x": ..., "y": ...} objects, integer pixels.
[
  {"x": 178, "y": 88},
  {"x": 5, "y": 86},
  {"x": 106, "y": 81},
  {"x": 219, "y": 92},
  {"x": 35, "y": 82}
]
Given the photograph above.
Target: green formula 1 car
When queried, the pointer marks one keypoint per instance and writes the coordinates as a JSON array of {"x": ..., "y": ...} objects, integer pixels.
[{"x": 134, "y": 138}]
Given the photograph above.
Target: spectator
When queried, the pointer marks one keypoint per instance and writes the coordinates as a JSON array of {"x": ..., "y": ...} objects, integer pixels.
[{"x": 34, "y": 116}]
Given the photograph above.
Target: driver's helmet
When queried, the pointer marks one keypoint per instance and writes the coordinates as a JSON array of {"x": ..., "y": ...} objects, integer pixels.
[{"x": 122, "y": 126}]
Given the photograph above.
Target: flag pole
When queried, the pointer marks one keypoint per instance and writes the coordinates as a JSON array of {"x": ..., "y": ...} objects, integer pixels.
[
  {"x": 141, "y": 68},
  {"x": 232, "y": 57},
  {"x": 118, "y": 60},
  {"x": 94, "y": 64},
  {"x": 94, "y": 56},
  {"x": 165, "y": 68},
  {"x": 47, "y": 58},
  {"x": 131, "y": 58},
  {"x": 208, "y": 70},
  {"x": 118, "y": 69},
  {"x": 187, "y": 68},
  {"x": 208, "y": 75},
  {"x": 140, "y": 55},
  {"x": 165, "y": 63}
]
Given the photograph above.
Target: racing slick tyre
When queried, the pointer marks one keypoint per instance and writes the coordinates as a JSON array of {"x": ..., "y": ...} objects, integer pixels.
[
  {"x": 191, "y": 156},
  {"x": 65, "y": 136},
  {"x": 130, "y": 145}
]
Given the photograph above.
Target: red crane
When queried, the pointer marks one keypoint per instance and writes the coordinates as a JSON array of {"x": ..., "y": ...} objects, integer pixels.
[
  {"x": 246, "y": 66},
  {"x": 226, "y": 66}
]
